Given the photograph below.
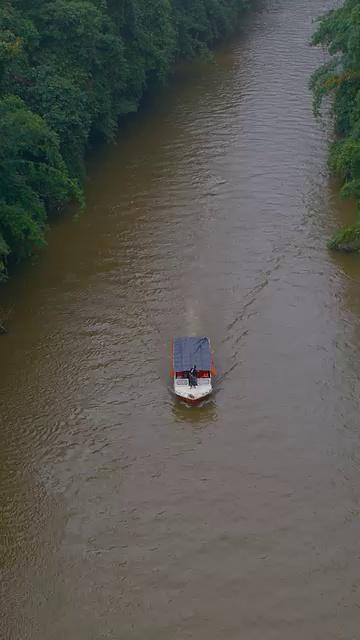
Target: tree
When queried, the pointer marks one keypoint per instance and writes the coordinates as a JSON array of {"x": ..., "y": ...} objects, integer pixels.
[
  {"x": 339, "y": 32},
  {"x": 33, "y": 178},
  {"x": 69, "y": 71}
]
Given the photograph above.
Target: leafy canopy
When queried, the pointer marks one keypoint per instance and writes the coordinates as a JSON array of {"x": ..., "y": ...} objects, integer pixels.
[
  {"x": 69, "y": 71},
  {"x": 339, "y": 32}
]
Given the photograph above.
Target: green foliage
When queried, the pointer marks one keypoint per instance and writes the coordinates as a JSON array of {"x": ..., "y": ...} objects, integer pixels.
[
  {"x": 345, "y": 160},
  {"x": 339, "y": 32},
  {"x": 33, "y": 178},
  {"x": 69, "y": 71},
  {"x": 202, "y": 22},
  {"x": 347, "y": 239}
]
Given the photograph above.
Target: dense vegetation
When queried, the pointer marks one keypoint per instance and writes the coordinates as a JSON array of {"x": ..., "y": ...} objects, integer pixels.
[
  {"x": 69, "y": 71},
  {"x": 339, "y": 32}
]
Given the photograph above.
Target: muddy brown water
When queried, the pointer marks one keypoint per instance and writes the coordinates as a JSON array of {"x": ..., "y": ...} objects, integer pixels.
[{"x": 125, "y": 515}]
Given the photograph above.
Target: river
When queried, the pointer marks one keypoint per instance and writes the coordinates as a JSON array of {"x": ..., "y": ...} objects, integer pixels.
[{"x": 125, "y": 515}]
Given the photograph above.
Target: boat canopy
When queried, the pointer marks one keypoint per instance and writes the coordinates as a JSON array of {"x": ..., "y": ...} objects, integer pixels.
[{"x": 190, "y": 351}]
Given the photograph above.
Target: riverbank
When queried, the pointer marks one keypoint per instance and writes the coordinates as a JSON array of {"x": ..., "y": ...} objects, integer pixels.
[
  {"x": 69, "y": 73},
  {"x": 339, "y": 78}
]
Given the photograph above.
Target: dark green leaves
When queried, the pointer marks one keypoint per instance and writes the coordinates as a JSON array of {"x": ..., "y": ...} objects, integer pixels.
[
  {"x": 33, "y": 178},
  {"x": 339, "y": 32},
  {"x": 69, "y": 70}
]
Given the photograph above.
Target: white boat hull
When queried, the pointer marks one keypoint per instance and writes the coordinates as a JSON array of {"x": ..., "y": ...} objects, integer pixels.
[{"x": 193, "y": 395}]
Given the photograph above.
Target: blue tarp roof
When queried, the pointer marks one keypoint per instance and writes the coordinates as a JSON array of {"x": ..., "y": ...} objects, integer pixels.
[{"x": 190, "y": 351}]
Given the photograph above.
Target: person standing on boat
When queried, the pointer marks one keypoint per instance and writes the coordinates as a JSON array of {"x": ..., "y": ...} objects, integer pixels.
[{"x": 193, "y": 376}]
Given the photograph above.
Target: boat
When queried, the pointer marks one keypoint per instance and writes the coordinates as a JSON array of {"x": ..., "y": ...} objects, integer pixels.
[{"x": 193, "y": 368}]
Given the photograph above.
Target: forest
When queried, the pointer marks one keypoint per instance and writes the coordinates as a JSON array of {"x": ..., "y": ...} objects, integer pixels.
[
  {"x": 339, "y": 32},
  {"x": 70, "y": 70}
]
